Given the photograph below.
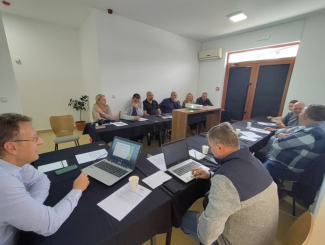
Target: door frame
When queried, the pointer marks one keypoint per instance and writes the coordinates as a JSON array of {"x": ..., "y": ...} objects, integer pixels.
[{"x": 253, "y": 80}]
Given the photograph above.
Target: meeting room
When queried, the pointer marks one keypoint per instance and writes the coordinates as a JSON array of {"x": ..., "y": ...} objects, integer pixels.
[{"x": 138, "y": 122}]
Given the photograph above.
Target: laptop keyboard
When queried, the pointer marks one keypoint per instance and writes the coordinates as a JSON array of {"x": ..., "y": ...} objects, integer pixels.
[
  {"x": 186, "y": 168},
  {"x": 109, "y": 168}
]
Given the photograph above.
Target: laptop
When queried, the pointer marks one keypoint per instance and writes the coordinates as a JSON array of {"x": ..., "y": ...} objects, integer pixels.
[
  {"x": 178, "y": 161},
  {"x": 120, "y": 161}
]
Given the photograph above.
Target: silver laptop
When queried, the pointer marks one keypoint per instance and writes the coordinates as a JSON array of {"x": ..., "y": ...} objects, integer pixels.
[
  {"x": 120, "y": 161},
  {"x": 178, "y": 161}
]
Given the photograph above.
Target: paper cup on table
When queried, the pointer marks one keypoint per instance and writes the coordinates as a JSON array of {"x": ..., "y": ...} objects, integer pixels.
[
  {"x": 134, "y": 182},
  {"x": 237, "y": 131},
  {"x": 249, "y": 124},
  {"x": 205, "y": 149}
]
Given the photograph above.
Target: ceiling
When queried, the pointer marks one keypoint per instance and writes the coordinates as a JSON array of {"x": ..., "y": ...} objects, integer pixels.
[{"x": 196, "y": 19}]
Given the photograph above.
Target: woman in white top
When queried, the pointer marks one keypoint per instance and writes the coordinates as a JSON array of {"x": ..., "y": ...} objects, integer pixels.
[
  {"x": 101, "y": 109},
  {"x": 189, "y": 99}
]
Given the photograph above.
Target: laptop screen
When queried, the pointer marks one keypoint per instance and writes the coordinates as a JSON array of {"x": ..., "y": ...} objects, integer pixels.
[
  {"x": 175, "y": 152},
  {"x": 125, "y": 151}
]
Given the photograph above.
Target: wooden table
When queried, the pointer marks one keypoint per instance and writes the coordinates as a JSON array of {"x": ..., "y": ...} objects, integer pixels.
[{"x": 180, "y": 118}]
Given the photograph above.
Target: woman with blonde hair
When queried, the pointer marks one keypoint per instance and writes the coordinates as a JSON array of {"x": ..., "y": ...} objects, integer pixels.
[
  {"x": 189, "y": 99},
  {"x": 101, "y": 109}
]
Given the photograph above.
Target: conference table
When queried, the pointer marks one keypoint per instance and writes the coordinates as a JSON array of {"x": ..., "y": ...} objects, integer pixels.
[
  {"x": 88, "y": 223},
  {"x": 163, "y": 208}
]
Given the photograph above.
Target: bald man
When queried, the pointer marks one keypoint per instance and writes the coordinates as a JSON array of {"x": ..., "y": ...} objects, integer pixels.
[
  {"x": 169, "y": 104},
  {"x": 150, "y": 106}
]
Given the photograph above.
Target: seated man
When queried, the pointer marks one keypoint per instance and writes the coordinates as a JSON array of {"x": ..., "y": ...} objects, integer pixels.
[
  {"x": 23, "y": 189},
  {"x": 150, "y": 106},
  {"x": 243, "y": 204},
  {"x": 293, "y": 150},
  {"x": 291, "y": 119},
  {"x": 133, "y": 109},
  {"x": 204, "y": 100},
  {"x": 169, "y": 104}
]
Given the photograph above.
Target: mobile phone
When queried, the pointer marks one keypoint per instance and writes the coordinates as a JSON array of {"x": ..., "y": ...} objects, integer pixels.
[{"x": 66, "y": 169}]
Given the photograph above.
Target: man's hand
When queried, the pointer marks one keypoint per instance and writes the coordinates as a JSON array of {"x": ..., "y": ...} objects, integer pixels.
[
  {"x": 270, "y": 129},
  {"x": 269, "y": 117},
  {"x": 198, "y": 217},
  {"x": 81, "y": 183},
  {"x": 200, "y": 173},
  {"x": 281, "y": 135},
  {"x": 135, "y": 105},
  {"x": 288, "y": 131},
  {"x": 280, "y": 124},
  {"x": 136, "y": 118},
  {"x": 145, "y": 114}
]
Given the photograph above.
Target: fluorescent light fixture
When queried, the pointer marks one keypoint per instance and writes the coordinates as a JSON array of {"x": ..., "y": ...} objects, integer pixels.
[{"x": 238, "y": 16}]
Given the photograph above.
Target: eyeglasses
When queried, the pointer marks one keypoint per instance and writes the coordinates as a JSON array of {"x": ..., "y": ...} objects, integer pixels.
[{"x": 35, "y": 140}]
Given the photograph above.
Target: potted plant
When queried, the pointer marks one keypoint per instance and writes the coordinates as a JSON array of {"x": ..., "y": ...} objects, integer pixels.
[{"x": 80, "y": 105}]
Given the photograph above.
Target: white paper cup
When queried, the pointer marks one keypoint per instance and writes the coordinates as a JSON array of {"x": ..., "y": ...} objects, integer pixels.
[
  {"x": 249, "y": 124},
  {"x": 205, "y": 149},
  {"x": 237, "y": 131},
  {"x": 134, "y": 182}
]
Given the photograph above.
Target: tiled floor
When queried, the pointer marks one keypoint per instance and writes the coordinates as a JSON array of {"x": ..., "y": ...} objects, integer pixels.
[{"x": 178, "y": 238}]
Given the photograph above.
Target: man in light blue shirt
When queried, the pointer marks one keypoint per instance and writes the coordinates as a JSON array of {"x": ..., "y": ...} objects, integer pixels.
[
  {"x": 23, "y": 189},
  {"x": 133, "y": 109}
]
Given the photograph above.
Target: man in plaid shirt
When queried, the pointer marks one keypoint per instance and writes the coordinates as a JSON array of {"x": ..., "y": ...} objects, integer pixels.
[{"x": 294, "y": 149}]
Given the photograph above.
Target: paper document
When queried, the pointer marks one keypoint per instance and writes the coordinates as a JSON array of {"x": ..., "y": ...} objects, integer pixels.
[
  {"x": 122, "y": 201},
  {"x": 53, "y": 166},
  {"x": 250, "y": 134},
  {"x": 119, "y": 124},
  {"x": 266, "y": 124},
  {"x": 142, "y": 119},
  {"x": 159, "y": 161},
  {"x": 262, "y": 131},
  {"x": 247, "y": 138},
  {"x": 156, "y": 179},
  {"x": 91, "y": 156},
  {"x": 196, "y": 154}
]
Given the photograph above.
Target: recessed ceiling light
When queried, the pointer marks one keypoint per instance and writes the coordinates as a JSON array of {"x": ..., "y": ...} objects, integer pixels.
[{"x": 238, "y": 16}]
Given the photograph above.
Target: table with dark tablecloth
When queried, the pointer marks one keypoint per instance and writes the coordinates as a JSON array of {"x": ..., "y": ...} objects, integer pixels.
[{"x": 88, "y": 223}]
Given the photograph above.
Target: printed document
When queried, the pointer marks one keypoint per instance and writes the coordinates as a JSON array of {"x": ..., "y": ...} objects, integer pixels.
[
  {"x": 262, "y": 131},
  {"x": 196, "y": 154},
  {"x": 53, "y": 166},
  {"x": 119, "y": 124},
  {"x": 159, "y": 161},
  {"x": 156, "y": 179},
  {"x": 91, "y": 156},
  {"x": 122, "y": 201}
]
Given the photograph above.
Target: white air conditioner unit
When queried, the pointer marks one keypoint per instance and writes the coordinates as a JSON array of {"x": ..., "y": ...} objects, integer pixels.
[{"x": 211, "y": 54}]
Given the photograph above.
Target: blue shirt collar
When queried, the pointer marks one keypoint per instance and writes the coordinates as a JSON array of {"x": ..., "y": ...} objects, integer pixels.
[
  {"x": 10, "y": 168},
  {"x": 320, "y": 124}
]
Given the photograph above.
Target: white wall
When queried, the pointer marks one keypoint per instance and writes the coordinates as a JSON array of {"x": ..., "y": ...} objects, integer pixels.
[
  {"x": 8, "y": 86},
  {"x": 89, "y": 60},
  {"x": 308, "y": 77},
  {"x": 50, "y": 70},
  {"x": 212, "y": 72},
  {"x": 135, "y": 58}
]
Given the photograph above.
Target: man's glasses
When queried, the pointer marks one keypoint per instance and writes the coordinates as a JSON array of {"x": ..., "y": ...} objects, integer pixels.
[{"x": 35, "y": 140}]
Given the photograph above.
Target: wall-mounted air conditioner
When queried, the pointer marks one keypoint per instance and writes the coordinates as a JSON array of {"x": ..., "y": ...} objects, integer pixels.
[{"x": 210, "y": 54}]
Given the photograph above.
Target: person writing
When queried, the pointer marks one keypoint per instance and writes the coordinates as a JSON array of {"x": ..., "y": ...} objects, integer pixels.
[
  {"x": 23, "y": 189},
  {"x": 101, "y": 109},
  {"x": 189, "y": 100}
]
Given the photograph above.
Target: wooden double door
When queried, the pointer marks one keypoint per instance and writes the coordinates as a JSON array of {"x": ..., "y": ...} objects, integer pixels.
[{"x": 256, "y": 88}]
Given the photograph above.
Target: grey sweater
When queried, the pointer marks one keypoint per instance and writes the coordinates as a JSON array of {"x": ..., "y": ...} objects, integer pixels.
[{"x": 243, "y": 203}]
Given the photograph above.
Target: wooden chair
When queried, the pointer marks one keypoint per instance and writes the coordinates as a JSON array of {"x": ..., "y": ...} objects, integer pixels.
[
  {"x": 300, "y": 231},
  {"x": 62, "y": 127}
]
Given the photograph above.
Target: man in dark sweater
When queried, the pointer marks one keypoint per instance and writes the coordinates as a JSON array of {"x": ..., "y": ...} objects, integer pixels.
[
  {"x": 169, "y": 104},
  {"x": 243, "y": 203},
  {"x": 204, "y": 100}
]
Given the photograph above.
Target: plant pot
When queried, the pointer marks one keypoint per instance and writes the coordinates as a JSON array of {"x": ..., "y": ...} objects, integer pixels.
[{"x": 80, "y": 125}]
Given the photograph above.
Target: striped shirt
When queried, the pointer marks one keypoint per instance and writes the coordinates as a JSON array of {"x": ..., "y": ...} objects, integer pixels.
[
  {"x": 22, "y": 193},
  {"x": 300, "y": 147}
]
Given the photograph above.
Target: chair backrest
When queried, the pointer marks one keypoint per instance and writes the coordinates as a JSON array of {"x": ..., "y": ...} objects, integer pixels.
[
  {"x": 62, "y": 125},
  {"x": 300, "y": 231}
]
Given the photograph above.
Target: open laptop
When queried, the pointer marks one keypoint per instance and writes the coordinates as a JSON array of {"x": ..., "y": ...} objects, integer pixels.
[
  {"x": 178, "y": 161},
  {"x": 120, "y": 161}
]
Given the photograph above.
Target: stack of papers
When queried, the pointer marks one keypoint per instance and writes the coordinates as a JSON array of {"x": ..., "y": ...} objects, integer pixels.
[
  {"x": 158, "y": 160},
  {"x": 122, "y": 201},
  {"x": 53, "y": 166},
  {"x": 156, "y": 179},
  {"x": 142, "y": 119},
  {"x": 91, "y": 156},
  {"x": 196, "y": 154},
  {"x": 119, "y": 124},
  {"x": 250, "y": 136},
  {"x": 262, "y": 131}
]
